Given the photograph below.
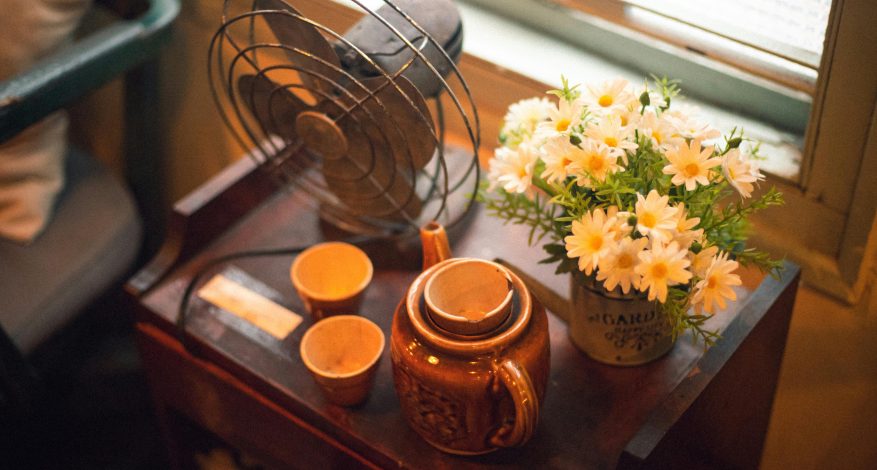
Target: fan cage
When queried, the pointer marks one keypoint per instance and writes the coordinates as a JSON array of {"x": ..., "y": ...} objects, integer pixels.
[{"x": 244, "y": 44}]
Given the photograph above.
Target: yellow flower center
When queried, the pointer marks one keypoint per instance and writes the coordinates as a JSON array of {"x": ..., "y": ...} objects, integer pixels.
[
  {"x": 711, "y": 282},
  {"x": 691, "y": 170},
  {"x": 659, "y": 270},
  {"x": 522, "y": 172},
  {"x": 611, "y": 141},
  {"x": 657, "y": 136},
  {"x": 648, "y": 220},
  {"x": 624, "y": 119},
  {"x": 565, "y": 161},
  {"x": 595, "y": 164},
  {"x": 625, "y": 261},
  {"x": 605, "y": 101},
  {"x": 595, "y": 242},
  {"x": 562, "y": 125}
]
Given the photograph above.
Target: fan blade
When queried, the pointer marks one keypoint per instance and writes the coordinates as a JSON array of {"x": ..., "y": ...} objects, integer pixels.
[
  {"x": 295, "y": 33},
  {"x": 409, "y": 129},
  {"x": 370, "y": 185},
  {"x": 440, "y": 18},
  {"x": 273, "y": 105},
  {"x": 390, "y": 137},
  {"x": 368, "y": 180}
]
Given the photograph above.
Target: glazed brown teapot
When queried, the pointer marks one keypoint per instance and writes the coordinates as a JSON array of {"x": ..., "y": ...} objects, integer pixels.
[{"x": 470, "y": 352}]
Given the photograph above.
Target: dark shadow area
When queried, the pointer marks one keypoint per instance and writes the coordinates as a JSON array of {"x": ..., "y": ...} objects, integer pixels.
[{"x": 94, "y": 409}]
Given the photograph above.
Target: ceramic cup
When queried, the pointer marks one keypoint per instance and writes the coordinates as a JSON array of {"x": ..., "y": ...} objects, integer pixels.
[
  {"x": 342, "y": 353},
  {"x": 331, "y": 278},
  {"x": 469, "y": 297}
]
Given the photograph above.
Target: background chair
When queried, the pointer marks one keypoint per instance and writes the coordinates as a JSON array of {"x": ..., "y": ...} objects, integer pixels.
[{"x": 95, "y": 237}]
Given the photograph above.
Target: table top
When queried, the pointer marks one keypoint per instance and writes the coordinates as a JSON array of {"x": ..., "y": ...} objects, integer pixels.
[{"x": 593, "y": 413}]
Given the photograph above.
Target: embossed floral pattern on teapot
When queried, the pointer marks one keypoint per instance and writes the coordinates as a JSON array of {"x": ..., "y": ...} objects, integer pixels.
[{"x": 470, "y": 353}]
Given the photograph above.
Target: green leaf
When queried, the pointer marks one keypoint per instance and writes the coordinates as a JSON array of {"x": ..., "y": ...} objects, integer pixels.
[{"x": 567, "y": 93}]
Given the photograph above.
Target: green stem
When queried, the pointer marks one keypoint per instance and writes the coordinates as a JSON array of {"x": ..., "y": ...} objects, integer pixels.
[{"x": 544, "y": 186}]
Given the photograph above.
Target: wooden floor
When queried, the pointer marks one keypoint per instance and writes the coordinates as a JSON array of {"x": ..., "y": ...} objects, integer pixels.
[{"x": 825, "y": 409}]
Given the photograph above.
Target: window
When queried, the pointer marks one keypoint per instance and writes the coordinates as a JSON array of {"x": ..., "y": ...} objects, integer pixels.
[
  {"x": 791, "y": 30},
  {"x": 723, "y": 75},
  {"x": 777, "y": 39}
]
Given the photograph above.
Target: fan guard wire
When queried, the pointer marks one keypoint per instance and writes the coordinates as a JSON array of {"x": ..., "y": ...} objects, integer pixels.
[{"x": 290, "y": 162}]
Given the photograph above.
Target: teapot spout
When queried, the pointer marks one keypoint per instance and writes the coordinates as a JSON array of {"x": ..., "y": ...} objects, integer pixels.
[{"x": 435, "y": 244}]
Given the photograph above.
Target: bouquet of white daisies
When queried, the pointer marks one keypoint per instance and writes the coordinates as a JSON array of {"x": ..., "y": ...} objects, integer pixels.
[{"x": 632, "y": 195}]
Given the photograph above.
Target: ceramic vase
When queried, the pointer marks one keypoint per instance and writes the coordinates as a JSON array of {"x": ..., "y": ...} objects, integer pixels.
[{"x": 615, "y": 328}]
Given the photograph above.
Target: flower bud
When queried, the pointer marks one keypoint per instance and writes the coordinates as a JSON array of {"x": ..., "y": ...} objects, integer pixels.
[
  {"x": 735, "y": 142},
  {"x": 644, "y": 98},
  {"x": 695, "y": 247},
  {"x": 574, "y": 139},
  {"x": 631, "y": 221}
]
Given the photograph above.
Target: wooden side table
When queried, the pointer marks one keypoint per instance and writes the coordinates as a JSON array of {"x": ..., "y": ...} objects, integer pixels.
[{"x": 692, "y": 407}]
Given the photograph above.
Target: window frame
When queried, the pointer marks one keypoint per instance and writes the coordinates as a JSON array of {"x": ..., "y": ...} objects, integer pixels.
[{"x": 844, "y": 123}]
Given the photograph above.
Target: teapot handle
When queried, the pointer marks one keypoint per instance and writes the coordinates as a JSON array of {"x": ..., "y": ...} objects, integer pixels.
[{"x": 517, "y": 381}]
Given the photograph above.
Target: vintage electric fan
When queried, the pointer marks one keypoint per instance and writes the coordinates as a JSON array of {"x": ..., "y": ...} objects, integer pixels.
[{"x": 356, "y": 119}]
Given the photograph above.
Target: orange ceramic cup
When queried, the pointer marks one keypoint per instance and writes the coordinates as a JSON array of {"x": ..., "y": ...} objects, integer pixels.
[
  {"x": 331, "y": 278},
  {"x": 342, "y": 353}
]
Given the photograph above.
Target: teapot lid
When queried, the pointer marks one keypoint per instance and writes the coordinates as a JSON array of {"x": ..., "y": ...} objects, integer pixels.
[
  {"x": 469, "y": 298},
  {"x": 498, "y": 327}
]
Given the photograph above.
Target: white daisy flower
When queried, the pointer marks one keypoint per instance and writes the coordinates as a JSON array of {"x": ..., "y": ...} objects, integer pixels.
[
  {"x": 662, "y": 266},
  {"x": 701, "y": 260},
  {"x": 618, "y": 266},
  {"x": 591, "y": 239},
  {"x": 525, "y": 115},
  {"x": 690, "y": 164},
  {"x": 740, "y": 172},
  {"x": 690, "y": 128},
  {"x": 609, "y": 131},
  {"x": 608, "y": 96},
  {"x": 683, "y": 233},
  {"x": 561, "y": 119},
  {"x": 513, "y": 169},
  {"x": 629, "y": 112},
  {"x": 654, "y": 217},
  {"x": 558, "y": 153},
  {"x": 618, "y": 218},
  {"x": 657, "y": 128},
  {"x": 716, "y": 285},
  {"x": 592, "y": 163}
]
